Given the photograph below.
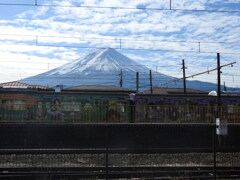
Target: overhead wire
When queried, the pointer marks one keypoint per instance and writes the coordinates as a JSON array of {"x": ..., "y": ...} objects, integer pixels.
[
  {"x": 154, "y": 71},
  {"x": 130, "y": 49},
  {"x": 178, "y": 79},
  {"x": 83, "y": 38},
  {"x": 158, "y": 76},
  {"x": 170, "y": 8},
  {"x": 49, "y": 63},
  {"x": 125, "y": 83},
  {"x": 37, "y": 43}
]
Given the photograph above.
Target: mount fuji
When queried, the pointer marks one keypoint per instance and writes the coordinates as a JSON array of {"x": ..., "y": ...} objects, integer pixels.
[{"x": 107, "y": 67}]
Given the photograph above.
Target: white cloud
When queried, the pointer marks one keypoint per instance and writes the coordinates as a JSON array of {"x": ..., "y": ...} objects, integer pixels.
[
  {"x": 41, "y": 11},
  {"x": 189, "y": 4},
  {"x": 15, "y": 66}
]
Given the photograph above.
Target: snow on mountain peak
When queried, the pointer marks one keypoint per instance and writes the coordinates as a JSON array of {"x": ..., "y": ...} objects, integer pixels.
[{"x": 99, "y": 60}]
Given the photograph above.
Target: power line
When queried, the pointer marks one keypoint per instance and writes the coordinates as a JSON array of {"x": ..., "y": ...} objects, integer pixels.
[
  {"x": 130, "y": 49},
  {"x": 126, "y": 82},
  {"x": 97, "y": 73},
  {"x": 210, "y": 52},
  {"x": 152, "y": 67},
  {"x": 122, "y": 39},
  {"x": 114, "y": 74},
  {"x": 38, "y": 43},
  {"x": 36, "y": 4},
  {"x": 175, "y": 80},
  {"x": 116, "y": 79}
]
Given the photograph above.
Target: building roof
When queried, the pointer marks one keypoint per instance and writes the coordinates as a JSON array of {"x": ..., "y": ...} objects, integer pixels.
[
  {"x": 96, "y": 88},
  {"x": 173, "y": 91},
  {"x": 20, "y": 85}
]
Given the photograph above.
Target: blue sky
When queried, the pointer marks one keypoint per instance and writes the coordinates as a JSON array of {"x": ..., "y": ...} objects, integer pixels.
[{"x": 35, "y": 39}]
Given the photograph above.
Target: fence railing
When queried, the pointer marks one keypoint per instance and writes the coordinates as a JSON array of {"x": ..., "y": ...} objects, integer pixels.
[{"x": 117, "y": 113}]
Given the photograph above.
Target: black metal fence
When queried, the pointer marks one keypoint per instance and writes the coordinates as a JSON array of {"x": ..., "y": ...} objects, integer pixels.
[{"x": 114, "y": 151}]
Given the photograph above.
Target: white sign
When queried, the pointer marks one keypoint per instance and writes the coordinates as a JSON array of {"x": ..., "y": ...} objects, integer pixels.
[{"x": 221, "y": 126}]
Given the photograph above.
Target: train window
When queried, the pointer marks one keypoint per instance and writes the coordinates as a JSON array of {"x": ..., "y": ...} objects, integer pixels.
[
  {"x": 17, "y": 105},
  {"x": 40, "y": 105},
  {"x": 66, "y": 106},
  {"x": 230, "y": 108},
  {"x": 181, "y": 108},
  {"x": 7, "y": 105},
  {"x": 120, "y": 107},
  {"x": 72, "y": 106},
  {"x": 140, "y": 107},
  {"x": 77, "y": 106},
  {"x": 47, "y": 105}
]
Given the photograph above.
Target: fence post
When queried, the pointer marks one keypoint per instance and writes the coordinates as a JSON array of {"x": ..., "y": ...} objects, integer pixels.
[
  {"x": 214, "y": 151},
  {"x": 106, "y": 150}
]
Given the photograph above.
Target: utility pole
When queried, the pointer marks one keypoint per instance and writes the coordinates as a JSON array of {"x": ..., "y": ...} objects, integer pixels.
[
  {"x": 121, "y": 79},
  {"x": 151, "y": 89},
  {"x": 217, "y": 125},
  {"x": 137, "y": 82},
  {"x": 184, "y": 76},
  {"x": 219, "y": 78}
]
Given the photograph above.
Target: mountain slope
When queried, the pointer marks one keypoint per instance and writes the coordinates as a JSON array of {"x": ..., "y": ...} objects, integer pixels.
[
  {"x": 103, "y": 60},
  {"x": 103, "y": 67}
]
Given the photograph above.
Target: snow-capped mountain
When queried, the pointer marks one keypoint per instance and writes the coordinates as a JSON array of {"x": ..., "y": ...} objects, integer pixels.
[
  {"x": 104, "y": 67},
  {"x": 101, "y": 60}
]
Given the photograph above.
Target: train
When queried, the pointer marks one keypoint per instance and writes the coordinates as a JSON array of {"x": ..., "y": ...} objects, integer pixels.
[{"x": 86, "y": 107}]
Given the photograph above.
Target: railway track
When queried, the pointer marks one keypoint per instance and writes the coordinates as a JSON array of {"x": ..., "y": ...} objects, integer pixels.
[
  {"x": 120, "y": 172},
  {"x": 68, "y": 164}
]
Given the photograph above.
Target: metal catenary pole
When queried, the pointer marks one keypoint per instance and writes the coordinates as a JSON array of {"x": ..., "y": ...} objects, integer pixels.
[
  {"x": 184, "y": 77},
  {"x": 137, "y": 82},
  {"x": 151, "y": 88},
  {"x": 121, "y": 79}
]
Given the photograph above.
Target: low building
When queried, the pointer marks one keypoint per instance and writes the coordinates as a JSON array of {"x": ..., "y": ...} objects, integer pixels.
[
  {"x": 98, "y": 88},
  {"x": 15, "y": 85},
  {"x": 173, "y": 91}
]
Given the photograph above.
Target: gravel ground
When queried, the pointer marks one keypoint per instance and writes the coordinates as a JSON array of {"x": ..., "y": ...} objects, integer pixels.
[{"x": 115, "y": 160}]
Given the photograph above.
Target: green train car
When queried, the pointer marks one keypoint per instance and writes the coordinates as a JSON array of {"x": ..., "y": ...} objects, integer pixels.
[{"x": 27, "y": 106}]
